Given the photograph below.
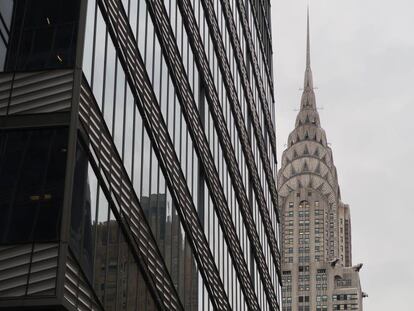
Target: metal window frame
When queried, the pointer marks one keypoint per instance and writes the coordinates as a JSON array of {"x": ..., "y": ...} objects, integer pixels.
[
  {"x": 71, "y": 152},
  {"x": 120, "y": 192},
  {"x": 168, "y": 44},
  {"x": 261, "y": 39},
  {"x": 209, "y": 8},
  {"x": 256, "y": 70},
  {"x": 121, "y": 33},
  {"x": 228, "y": 151},
  {"x": 202, "y": 63}
]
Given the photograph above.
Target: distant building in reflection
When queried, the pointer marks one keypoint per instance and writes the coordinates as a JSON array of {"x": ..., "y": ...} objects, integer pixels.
[{"x": 113, "y": 265}]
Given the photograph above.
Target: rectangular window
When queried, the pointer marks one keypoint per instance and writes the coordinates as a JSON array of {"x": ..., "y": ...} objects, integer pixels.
[
  {"x": 32, "y": 174},
  {"x": 38, "y": 36}
]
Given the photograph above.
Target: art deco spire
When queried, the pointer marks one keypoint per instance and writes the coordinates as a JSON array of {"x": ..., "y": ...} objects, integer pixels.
[
  {"x": 308, "y": 113},
  {"x": 308, "y": 43},
  {"x": 308, "y": 102},
  {"x": 309, "y": 193}
]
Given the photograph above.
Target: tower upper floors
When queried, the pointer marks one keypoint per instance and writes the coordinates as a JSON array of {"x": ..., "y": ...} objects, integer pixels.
[{"x": 315, "y": 223}]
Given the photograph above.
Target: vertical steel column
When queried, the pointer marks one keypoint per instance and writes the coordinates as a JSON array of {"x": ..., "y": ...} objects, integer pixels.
[{"x": 71, "y": 151}]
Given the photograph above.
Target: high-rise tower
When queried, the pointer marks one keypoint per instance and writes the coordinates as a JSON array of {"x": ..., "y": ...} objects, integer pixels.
[
  {"x": 137, "y": 156},
  {"x": 317, "y": 269}
]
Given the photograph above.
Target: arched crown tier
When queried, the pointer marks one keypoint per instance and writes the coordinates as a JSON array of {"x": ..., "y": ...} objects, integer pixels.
[{"x": 308, "y": 161}]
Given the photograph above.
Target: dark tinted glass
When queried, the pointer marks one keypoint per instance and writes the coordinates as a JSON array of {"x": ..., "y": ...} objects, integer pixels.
[
  {"x": 32, "y": 171},
  {"x": 38, "y": 34},
  {"x": 81, "y": 228}
]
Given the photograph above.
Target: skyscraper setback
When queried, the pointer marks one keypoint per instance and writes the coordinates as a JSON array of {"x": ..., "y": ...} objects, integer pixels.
[
  {"x": 317, "y": 269},
  {"x": 137, "y": 156}
]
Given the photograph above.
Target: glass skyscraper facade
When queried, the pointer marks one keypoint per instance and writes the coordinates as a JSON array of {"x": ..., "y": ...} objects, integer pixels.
[{"x": 137, "y": 156}]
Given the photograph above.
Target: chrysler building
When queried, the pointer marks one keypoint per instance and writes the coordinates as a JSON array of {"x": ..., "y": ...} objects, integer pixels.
[{"x": 317, "y": 270}]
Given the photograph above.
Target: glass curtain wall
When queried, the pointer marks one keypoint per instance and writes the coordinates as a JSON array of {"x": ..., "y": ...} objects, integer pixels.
[
  {"x": 41, "y": 35},
  {"x": 106, "y": 77},
  {"x": 99, "y": 245}
]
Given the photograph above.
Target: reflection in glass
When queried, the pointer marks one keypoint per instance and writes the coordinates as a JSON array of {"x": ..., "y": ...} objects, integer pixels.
[
  {"x": 100, "y": 246},
  {"x": 104, "y": 254},
  {"x": 115, "y": 98}
]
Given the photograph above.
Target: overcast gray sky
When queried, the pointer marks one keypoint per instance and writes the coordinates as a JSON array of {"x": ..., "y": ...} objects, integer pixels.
[{"x": 363, "y": 65}]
